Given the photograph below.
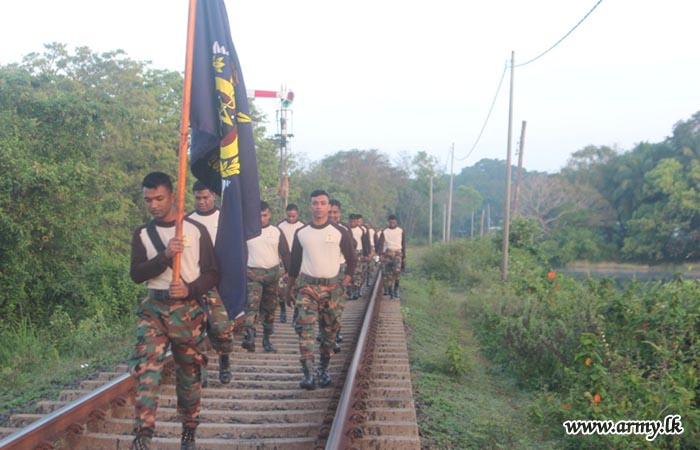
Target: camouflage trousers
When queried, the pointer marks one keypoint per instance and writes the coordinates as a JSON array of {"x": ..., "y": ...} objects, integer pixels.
[
  {"x": 262, "y": 297},
  {"x": 219, "y": 327},
  {"x": 282, "y": 284},
  {"x": 391, "y": 268},
  {"x": 359, "y": 274},
  {"x": 322, "y": 303},
  {"x": 161, "y": 324}
]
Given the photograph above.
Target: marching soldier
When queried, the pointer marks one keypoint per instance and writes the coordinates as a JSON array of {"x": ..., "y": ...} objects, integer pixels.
[
  {"x": 288, "y": 226},
  {"x": 392, "y": 248},
  {"x": 171, "y": 316},
  {"x": 361, "y": 251},
  {"x": 316, "y": 263},
  {"x": 265, "y": 253},
  {"x": 219, "y": 329}
]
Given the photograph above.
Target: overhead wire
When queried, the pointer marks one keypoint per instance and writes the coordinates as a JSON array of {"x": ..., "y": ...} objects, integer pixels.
[
  {"x": 488, "y": 116},
  {"x": 562, "y": 39},
  {"x": 521, "y": 65}
]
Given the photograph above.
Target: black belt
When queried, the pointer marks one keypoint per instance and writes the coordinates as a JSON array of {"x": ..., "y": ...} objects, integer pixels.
[
  {"x": 322, "y": 281},
  {"x": 159, "y": 294}
]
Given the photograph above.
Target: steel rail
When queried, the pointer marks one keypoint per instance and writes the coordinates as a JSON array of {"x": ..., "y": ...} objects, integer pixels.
[
  {"x": 337, "y": 437},
  {"x": 39, "y": 435}
]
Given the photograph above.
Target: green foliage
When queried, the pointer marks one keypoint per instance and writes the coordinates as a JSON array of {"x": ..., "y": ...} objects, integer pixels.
[
  {"x": 465, "y": 263},
  {"x": 594, "y": 351}
]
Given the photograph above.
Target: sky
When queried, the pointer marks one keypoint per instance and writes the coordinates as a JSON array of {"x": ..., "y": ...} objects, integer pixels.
[{"x": 403, "y": 76}]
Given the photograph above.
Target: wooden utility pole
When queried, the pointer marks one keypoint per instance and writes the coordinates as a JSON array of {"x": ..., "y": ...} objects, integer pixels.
[
  {"x": 430, "y": 214},
  {"x": 519, "y": 177},
  {"x": 506, "y": 215},
  {"x": 481, "y": 229},
  {"x": 471, "y": 230},
  {"x": 444, "y": 222},
  {"x": 449, "y": 197}
]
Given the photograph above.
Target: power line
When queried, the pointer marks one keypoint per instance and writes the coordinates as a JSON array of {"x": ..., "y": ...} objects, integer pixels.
[
  {"x": 560, "y": 40},
  {"x": 498, "y": 90}
]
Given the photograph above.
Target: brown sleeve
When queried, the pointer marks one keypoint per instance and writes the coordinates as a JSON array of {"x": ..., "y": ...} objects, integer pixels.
[
  {"x": 143, "y": 269},
  {"x": 284, "y": 253},
  {"x": 347, "y": 247},
  {"x": 208, "y": 269},
  {"x": 403, "y": 244},
  {"x": 295, "y": 259},
  {"x": 380, "y": 244}
]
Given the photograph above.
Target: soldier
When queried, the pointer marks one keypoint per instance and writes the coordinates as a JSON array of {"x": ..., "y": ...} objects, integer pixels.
[
  {"x": 265, "y": 253},
  {"x": 392, "y": 247},
  {"x": 334, "y": 214},
  {"x": 288, "y": 226},
  {"x": 171, "y": 314},
  {"x": 219, "y": 328},
  {"x": 316, "y": 262},
  {"x": 361, "y": 251}
]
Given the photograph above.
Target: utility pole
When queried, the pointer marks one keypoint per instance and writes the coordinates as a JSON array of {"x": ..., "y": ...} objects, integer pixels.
[
  {"x": 519, "y": 177},
  {"x": 506, "y": 215},
  {"x": 430, "y": 218},
  {"x": 444, "y": 222},
  {"x": 449, "y": 198},
  {"x": 481, "y": 228},
  {"x": 471, "y": 229}
]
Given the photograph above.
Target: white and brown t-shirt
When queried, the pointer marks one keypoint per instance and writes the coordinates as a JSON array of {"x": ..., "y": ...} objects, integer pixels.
[
  {"x": 317, "y": 249},
  {"x": 198, "y": 267},
  {"x": 289, "y": 229},
  {"x": 268, "y": 249},
  {"x": 392, "y": 239},
  {"x": 209, "y": 219}
]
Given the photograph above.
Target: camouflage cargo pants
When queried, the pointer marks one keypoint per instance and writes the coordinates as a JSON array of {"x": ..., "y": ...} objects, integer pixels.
[
  {"x": 219, "y": 327},
  {"x": 322, "y": 303},
  {"x": 391, "y": 266},
  {"x": 262, "y": 297},
  {"x": 161, "y": 324},
  {"x": 358, "y": 275}
]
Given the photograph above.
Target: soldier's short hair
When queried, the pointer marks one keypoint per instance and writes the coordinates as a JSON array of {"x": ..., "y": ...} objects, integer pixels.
[
  {"x": 292, "y": 207},
  {"x": 392, "y": 217},
  {"x": 155, "y": 179},
  {"x": 199, "y": 186},
  {"x": 334, "y": 202},
  {"x": 264, "y": 205},
  {"x": 318, "y": 193}
]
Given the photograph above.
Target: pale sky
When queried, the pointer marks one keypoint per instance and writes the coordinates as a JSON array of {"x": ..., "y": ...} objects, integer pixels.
[{"x": 406, "y": 75}]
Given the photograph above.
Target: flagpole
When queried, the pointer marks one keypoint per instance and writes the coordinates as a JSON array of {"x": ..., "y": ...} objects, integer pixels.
[{"x": 184, "y": 131}]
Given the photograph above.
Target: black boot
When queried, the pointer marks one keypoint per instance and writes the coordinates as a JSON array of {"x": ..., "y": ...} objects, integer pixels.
[
  {"x": 308, "y": 382},
  {"x": 267, "y": 345},
  {"x": 141, "y": 443},
  {"x": 386, "y": 291},
  {"x": 249, "y": 340},
  {"x": 187, "y": 441},
  {"x": 336, "y": 347},
  {"x": 324, "y": 378},
  {"x": 283, "y": 313},
  {"x": 224, "y": 369}
]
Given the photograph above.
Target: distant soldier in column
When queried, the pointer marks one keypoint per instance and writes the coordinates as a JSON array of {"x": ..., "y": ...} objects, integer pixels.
[
  {"x": 288, "y": 226},
  {"x": 370, "y": 252},
  {"x": 171, "y": 316},
  {"x": 392, "y": 248},
  {"x": 334, "y": 215},
  {"x": 219, "y": 329},
  {"x": 316, "y": 263},
  {"x": 265, "y": 253},
  {"x": 361, "y": 251}
]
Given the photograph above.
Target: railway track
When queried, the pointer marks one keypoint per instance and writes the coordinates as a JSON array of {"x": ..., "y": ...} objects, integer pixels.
[{"x": 368, "y": 406}]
